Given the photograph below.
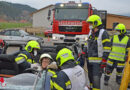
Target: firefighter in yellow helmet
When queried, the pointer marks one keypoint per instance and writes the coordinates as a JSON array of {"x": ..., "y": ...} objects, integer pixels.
[
  {"x": 71, "y": 76},
  {"x": 25, "y": 58},
  {"x": 96, "y": 50},
  {"x": 117, "y": 57}
]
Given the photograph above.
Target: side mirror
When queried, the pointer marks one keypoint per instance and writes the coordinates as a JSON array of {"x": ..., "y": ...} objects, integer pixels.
[{"x": 49, "y": 14}]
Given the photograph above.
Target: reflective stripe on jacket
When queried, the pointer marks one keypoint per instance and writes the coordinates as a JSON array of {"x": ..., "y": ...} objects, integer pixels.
[{"x": 24, "y": 55}]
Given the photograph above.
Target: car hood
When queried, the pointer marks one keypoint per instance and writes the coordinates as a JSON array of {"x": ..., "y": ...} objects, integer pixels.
[{"x": 25, "y": 81}]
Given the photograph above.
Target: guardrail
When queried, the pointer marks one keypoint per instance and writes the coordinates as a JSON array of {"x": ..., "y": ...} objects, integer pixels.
[{"x": 126, "y": 75}]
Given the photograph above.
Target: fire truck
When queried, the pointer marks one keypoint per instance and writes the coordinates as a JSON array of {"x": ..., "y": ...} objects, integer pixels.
[{"x": 69, "y": 22}]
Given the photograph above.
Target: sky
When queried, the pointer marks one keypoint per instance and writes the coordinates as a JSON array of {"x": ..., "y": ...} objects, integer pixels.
[{"x": 120, "y": 7}]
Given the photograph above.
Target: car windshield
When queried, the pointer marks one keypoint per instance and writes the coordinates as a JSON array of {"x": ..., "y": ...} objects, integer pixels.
[
  {"x": 23, "y": 32},
  {"x": 71, "y": 14}
]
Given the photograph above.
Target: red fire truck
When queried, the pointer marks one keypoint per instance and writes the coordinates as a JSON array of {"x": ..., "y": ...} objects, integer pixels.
[{"x": 69, "y": 22}]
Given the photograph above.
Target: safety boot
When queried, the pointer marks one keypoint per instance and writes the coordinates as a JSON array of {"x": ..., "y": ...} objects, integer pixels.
[
  {"x": 105, "y": 83},
  {"x": 118, "y": 82}
]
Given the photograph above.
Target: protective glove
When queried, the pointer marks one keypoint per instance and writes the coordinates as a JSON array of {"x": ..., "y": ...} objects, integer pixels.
[
  {"x": 83, "y": 55},
  {"x": 103, "y": 63},
  {"x": 53, "y": 65},
  {"x": 36, "y": 66}
]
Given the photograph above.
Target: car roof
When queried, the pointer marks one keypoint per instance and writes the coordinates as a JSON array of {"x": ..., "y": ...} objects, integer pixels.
[{"x": 12, "y": 30}]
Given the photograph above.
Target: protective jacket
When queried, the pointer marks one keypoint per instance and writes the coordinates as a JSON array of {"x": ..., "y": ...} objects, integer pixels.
[
  {"x": 97, "y": 46},
  {"x": 24, "y": 60},
  {"x": 68, "y": 79}
]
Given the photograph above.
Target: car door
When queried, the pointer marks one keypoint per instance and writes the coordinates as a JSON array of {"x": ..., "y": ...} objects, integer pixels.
[
  {"x": 16, "y": 37},
  {"x": 25, "y": 36}
]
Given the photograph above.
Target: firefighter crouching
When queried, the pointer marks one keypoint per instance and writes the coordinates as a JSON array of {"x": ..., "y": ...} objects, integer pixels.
[
  {"x": 96, "y": 49},
  {"x": 71, "y": 76},
  {"x": 117, "y": 57},
  {"x": 25, "y": 58}
]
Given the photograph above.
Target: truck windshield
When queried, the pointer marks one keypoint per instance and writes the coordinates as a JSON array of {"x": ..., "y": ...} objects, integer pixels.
[{"x": 71, "y": 14}]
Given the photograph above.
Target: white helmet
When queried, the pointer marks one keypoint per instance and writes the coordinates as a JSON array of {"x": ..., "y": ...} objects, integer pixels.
[{"x": 45, "y": 55}]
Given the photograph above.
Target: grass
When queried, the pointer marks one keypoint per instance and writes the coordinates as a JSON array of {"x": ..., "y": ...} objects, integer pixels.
[{"x": 7, "y": 25}]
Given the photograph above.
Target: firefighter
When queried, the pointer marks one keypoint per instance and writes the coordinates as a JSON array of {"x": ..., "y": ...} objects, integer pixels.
[
  {"x": 117, "y": 57},
  {"x": 96, "y": 50},
  {"x": 71, "y": 76},
  {"x": 25, "y": 58}
]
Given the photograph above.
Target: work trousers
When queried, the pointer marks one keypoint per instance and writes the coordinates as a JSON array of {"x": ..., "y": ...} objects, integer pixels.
[
  {"x": 111, "y": 64},
  {"x": 94, "y": 74}
]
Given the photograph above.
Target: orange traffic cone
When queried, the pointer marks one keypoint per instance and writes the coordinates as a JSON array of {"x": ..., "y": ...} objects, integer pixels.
[{"x": 48, "y": 38}]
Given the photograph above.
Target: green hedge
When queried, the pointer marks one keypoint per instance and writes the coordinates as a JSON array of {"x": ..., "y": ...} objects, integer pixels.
[{"x": 7, "y": 25}]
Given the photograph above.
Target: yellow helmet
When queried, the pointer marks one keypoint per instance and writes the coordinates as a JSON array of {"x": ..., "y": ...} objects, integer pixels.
[
  {"x": 31, "y": 45},
  {"x": 121, "y": 27},
  {"x": 95, "y": 20},
  {"x": 63, "y": 56}
]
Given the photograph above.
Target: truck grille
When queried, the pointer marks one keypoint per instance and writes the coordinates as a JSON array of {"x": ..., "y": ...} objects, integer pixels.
[
  {"x": 70, "y": 28},
  {"x": 69, "y": 40}
]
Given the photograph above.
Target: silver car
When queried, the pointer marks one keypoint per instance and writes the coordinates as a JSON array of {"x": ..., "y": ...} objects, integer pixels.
[{"x": 18, "y": 37}]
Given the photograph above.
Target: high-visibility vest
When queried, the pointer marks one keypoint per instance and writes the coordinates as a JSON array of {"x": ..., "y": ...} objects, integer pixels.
[
  {"x": 119, "y": 48},
  {"x": 100, "y": 48}
]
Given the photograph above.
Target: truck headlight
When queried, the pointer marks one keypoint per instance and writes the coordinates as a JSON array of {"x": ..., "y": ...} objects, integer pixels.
[
  {"x": 55, "y": 38},
  {"x": 86, "y": 38},
  {"x": 79, "y": 5},
  {"x": 62, "y": 5}
]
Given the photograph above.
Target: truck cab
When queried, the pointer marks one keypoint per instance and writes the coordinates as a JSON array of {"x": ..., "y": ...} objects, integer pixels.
[{"x": 69, "y": 22}]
